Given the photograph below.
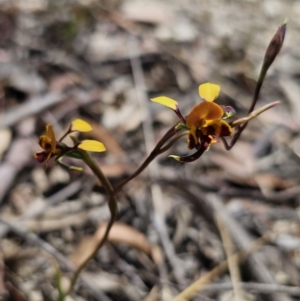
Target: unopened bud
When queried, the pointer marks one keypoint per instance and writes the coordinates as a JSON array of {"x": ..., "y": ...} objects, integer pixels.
[{"x": 274, "y": 46}]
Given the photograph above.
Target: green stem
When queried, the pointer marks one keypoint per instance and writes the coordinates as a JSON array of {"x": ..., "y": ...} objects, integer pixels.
[
  {"x": 113, "y": 206},
  {"x": 61, "y": 293}
]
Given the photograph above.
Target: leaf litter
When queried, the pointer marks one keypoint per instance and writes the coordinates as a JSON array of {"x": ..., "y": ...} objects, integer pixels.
[{"x": 60, "y": 61}]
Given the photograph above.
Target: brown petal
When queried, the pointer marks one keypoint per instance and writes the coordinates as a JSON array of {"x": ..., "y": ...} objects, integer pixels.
[
  {"x": 203, "y": 111},
  {"x": 219, "y": 128}
]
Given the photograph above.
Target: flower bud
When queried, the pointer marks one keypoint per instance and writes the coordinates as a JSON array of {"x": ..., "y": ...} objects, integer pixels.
[{"x": 274, "y": 46}]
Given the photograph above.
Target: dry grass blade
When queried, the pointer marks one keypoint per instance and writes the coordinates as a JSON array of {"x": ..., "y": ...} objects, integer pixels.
[
  {"x": 233, "y": 263},
  {"x": 199, "y": 285}
]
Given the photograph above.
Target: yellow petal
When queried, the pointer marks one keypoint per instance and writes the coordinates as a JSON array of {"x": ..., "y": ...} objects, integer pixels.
[
  {"x": 51, "y": 135},
  {"x": 209, "y": 91},
  {"x": 92, "y": 146},
  {"x": 80, "y": 126},
  {"x": 166, "y": 101}
]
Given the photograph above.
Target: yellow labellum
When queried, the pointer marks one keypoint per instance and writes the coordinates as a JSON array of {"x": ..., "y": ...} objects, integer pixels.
[
  {"x": 209, "y": 92},
  {"x": 166, "y": 101},
  {"x": 92, "y": 146},
  {"x": 80, "y": 126}
]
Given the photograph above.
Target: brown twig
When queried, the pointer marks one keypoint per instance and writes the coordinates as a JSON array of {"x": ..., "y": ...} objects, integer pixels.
[{"x": 233, "y": 263}]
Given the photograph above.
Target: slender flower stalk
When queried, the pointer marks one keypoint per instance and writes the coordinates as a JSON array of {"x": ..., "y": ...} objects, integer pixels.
[
  {"x": 270, "y": 55},
  {"x": 58, "y": 149},
  {"x": 254, "y": 114},
  {"x": 155, "y": 152},
  {"x": 113, "y": 207}
]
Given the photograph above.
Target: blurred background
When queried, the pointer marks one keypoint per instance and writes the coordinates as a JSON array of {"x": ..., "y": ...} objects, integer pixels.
[{"x": 102, "y": 61}]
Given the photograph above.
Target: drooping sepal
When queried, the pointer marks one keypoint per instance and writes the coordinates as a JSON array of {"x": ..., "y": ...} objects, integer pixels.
[
  {"x": 190, "y": 158},
  {"x": 67, "y": 166}
]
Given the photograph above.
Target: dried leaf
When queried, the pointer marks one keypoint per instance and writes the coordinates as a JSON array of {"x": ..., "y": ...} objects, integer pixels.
[{"x": 120, "y": 233}]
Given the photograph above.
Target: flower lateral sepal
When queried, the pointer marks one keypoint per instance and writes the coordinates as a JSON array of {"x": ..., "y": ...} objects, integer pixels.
[
  {"x": 190, "y": 158},
  {"x": 67, "y": 166}
]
